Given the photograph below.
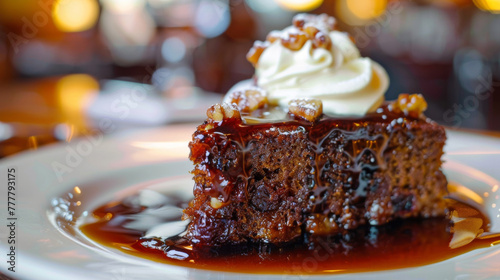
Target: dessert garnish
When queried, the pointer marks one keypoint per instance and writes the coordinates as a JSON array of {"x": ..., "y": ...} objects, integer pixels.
[
  {"x": 311, "y": 59},
  {"x": 337, "y": 157},
  {"x": 308, "y": 162}
]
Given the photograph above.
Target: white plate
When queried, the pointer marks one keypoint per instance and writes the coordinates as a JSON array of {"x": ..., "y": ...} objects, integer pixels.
[{"x": 106, "y": 169}]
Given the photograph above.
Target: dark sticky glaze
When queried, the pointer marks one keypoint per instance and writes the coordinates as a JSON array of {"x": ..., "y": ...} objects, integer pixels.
[
  {"x": 399, "y": 244},
  {"x": 271, "y": 181},
  {"x": 355, "y": 128}
]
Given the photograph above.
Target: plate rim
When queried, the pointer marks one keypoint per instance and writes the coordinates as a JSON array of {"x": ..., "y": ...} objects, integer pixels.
[{"x": 44, "y": 265}]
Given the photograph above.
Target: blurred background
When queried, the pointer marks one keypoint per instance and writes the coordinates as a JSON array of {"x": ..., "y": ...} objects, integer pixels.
[{"x": 70, "y": 68}]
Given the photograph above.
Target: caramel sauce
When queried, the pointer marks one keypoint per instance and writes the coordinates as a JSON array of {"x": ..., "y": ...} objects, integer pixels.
[
  {"x": 399, "y": 244},
  {"x": 365, "y": 140}
]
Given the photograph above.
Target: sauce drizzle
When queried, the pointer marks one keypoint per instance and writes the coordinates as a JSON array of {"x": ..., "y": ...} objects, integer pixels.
[{"x": 399, "y": 244}]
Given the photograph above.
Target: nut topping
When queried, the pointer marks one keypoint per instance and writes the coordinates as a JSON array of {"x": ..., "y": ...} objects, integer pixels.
[
  {"x": 294, "y": 40},
  {"x": 410, "y": 104},
  {"x": 248, "y": 100},
  {"x": 323, "y": 20},
  {"x": 305, "y": 27},
  {"x": 221, "y": 112},
  {"x": 306, "y": 109},
  {"x": 256, "y": 51},
  {"x": 273, "y": 36},
  {"x": 216, "y": 203},
  {"x": 322, "y": 40}
]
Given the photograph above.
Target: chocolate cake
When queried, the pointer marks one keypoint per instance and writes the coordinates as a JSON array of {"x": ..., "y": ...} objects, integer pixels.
[{"x": 269, "y": 169}]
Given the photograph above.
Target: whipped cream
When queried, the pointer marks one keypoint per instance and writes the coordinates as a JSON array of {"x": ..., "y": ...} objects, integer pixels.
[{"x": 345, "y": 82}]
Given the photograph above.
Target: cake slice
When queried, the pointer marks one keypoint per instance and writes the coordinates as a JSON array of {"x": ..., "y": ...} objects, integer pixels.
[{"x": 275, "y": 162}]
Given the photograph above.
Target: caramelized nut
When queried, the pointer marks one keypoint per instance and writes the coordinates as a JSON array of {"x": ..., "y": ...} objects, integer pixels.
[
  {"x": 273, "y": 36},
  {"x": 410, "y": 104},
  {"x": 256, "y": 51},
  {"x": 299, "y": 20},
  {"x": 310, "y": 30},
  {"x": 322, "y": 21},
  {"x": 221, "y": 112},
  {"x": 306, "y": 27},
  {"x": 248, "y": 100},
  {"x": 294, "y": 40},
  {"x": 309, "y": 27},
  {"x": 321, "y": 40},
  {"x": 216, "y": 203},
  {"x": 306, "y": 109}
]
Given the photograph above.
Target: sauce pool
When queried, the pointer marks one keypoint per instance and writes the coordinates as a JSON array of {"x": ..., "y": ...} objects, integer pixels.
[{"x": 399, "y": 244}]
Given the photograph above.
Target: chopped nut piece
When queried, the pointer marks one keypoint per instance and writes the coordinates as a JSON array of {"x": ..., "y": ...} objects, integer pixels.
[
  {"x": 306, "y": 27},
  {"x": 322, "y": 21},
  {"x": 410, "y": 104},
  {"x": 310, "y": 30},
  {"x": 208, "y": 126},
  {"x": 216, "y": 203},
  {"x": 256, "y": 51},
  {"x": 321, "y": 40},
  {"x": 294, "y": 40},
  {"x": 221, "y": 112},
  {"x": 248, "y": 100},
  {"x": 307, "y": 109},
  {"x": 273, "y": 36},
  {"x": 299, "y": 20}
]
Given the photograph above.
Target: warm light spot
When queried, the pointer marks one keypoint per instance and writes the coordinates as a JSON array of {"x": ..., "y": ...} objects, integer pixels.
[
  {"x": 70, "y": 132},
  {"x": 77, "y": 190},
  {"x": 75, "y": 15},
  {"x": 108, "y": 216},
  {"x": 74, "y": 91},
  {"x": 488, "y": 5},
  {"x": 459, "y": 189},
  {"x": 494, "y": 205},
  {"x": 126, "y": 248},
  {"x": 486, "y": 194},
  {"x": 299, "y": 5},
  {"x": 367, "y": 9},
  {"x": 78, "y": 203},
  {"x": 495, "y": 188},
  {"x": 74, "y": 94},
  {"x": 33, "y": 143}
]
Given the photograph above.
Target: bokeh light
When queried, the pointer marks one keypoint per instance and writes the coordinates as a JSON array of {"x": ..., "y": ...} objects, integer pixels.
[
  {"x": 75, "y": 15},
  {"x": 263, "y": 6},
  {"x": 173, "y": 50},
  {"x": 367, "y": 9},
  {"x": 74, "y": 94},
  {"x": 488, "y": 5},
  {"x": 300, "y": 5},
  {"x": 212, "y": 18}
]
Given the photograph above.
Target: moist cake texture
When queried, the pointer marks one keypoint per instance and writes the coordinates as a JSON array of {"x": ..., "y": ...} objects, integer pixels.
[
  {"x": 310, "y": 147},
  {"x": 272, "y": 182}
]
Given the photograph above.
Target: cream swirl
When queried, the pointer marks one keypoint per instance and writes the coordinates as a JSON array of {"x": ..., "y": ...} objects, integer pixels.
[{"x": 345, "y": 82}]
